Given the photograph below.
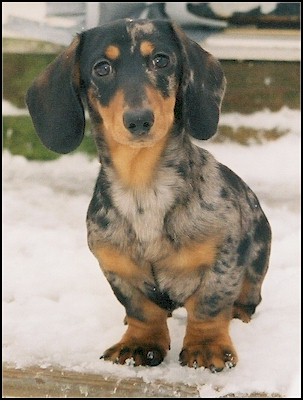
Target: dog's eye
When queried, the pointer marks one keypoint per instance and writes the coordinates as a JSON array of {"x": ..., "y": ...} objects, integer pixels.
[
  {"x": 102, "y": 68},
  {"x": 161, "y": 60}
]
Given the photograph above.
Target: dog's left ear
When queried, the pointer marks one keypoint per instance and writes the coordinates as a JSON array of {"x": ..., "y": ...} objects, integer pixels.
[
  {"x": 54, "y": 102},
  {"x": 202, "y": 88}
]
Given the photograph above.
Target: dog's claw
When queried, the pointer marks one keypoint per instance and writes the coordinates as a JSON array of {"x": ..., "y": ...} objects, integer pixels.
[
  {"x": 195, "y": 365},
  {"x": 130, "y": 362},
  {"x": 214, "y": 369},
  {"x": 229, "y": 364},
  {"x": 229, "y": 360},
  {"x": 150, "y": 355}
]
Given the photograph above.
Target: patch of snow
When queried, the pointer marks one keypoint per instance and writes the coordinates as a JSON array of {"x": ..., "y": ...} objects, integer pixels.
[{"x": 59, "y": 310}]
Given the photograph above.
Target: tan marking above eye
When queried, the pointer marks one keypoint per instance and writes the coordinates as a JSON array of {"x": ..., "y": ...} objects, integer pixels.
[
  {"x": 112, "y": 52},
  {"x": 146, "y": 48}
]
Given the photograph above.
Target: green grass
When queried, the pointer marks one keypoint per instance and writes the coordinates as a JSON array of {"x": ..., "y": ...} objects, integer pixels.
[
  {"x": 19, "y": 71},
  {"x": 20, "y": 138},
  {"x": 246, "y": 135}
]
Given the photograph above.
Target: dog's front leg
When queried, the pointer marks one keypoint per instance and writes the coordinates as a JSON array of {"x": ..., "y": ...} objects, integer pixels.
[
  {"x": 207, "y": 341},
  {"x": 146, "y": 340}
]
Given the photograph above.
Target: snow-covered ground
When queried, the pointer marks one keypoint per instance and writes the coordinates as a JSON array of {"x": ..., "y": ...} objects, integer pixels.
[{"x": 58, "y": 309}]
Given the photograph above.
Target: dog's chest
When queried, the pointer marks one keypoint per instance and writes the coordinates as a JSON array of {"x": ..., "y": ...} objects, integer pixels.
[{"x": 144, "y": 209}]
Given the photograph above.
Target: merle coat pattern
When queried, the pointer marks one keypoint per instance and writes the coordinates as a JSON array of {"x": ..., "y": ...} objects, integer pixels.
[{"x": 169, "y": 225}]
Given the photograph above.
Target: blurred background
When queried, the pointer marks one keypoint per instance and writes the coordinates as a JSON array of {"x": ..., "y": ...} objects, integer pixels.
[{"x": 258, "y": 45}]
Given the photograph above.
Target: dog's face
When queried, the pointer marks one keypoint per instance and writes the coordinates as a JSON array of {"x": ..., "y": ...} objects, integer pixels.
[
  {"x": 139, "y": 79},
  {"x": 132, "y": 77}
]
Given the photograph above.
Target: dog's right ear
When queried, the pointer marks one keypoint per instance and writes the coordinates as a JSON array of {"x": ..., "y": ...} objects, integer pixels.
[
  {"x": 55, "y": 105},
  {"x": 202, "y": 88}
]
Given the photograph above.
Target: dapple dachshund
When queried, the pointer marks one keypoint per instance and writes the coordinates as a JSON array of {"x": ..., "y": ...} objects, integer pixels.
[{"x": 169, "y": 225}]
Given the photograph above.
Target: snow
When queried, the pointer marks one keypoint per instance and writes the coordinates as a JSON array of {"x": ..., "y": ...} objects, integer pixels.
[
  {"x": 9, "y": 109},
  {"x": 59, "y": 311},
  {"x": 227, "y": 9}
]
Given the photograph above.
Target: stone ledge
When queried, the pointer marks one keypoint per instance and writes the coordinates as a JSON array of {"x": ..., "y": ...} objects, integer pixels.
[{"x": 35, "y": 382}]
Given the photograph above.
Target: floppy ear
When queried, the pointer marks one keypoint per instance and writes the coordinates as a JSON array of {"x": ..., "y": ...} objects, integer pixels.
[
  {"x": 54, "y": 103},
  {"x": 202, "y": 88}
]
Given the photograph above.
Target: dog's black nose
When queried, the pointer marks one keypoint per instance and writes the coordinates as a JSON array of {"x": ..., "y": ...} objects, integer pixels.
[{"x": 138, "y": 121}]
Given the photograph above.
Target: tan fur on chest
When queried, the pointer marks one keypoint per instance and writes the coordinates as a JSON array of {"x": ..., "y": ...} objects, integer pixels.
[
  {"x": 135, "y": 166},
  {"x": 192, "y": 256},
  {"x": 186, "y": 259}
]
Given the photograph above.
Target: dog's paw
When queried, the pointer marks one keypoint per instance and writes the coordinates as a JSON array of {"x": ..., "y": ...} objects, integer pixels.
[
  {"x": 212, "y": 356},
  {"x": 135, "y": 354}
]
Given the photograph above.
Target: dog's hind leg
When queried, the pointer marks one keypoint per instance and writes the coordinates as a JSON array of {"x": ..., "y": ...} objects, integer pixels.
[{"x": 250, "y": 294}]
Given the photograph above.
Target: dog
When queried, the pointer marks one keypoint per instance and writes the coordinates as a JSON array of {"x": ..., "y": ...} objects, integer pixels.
[{"x": 169, "y": 225}]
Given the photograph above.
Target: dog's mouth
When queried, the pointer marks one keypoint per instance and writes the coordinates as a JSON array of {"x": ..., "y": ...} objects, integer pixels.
[{"x": 141, "y": 140}]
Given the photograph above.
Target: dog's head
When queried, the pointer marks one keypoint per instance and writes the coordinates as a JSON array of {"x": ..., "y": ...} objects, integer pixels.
[{"x": 139, "y": 79}]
